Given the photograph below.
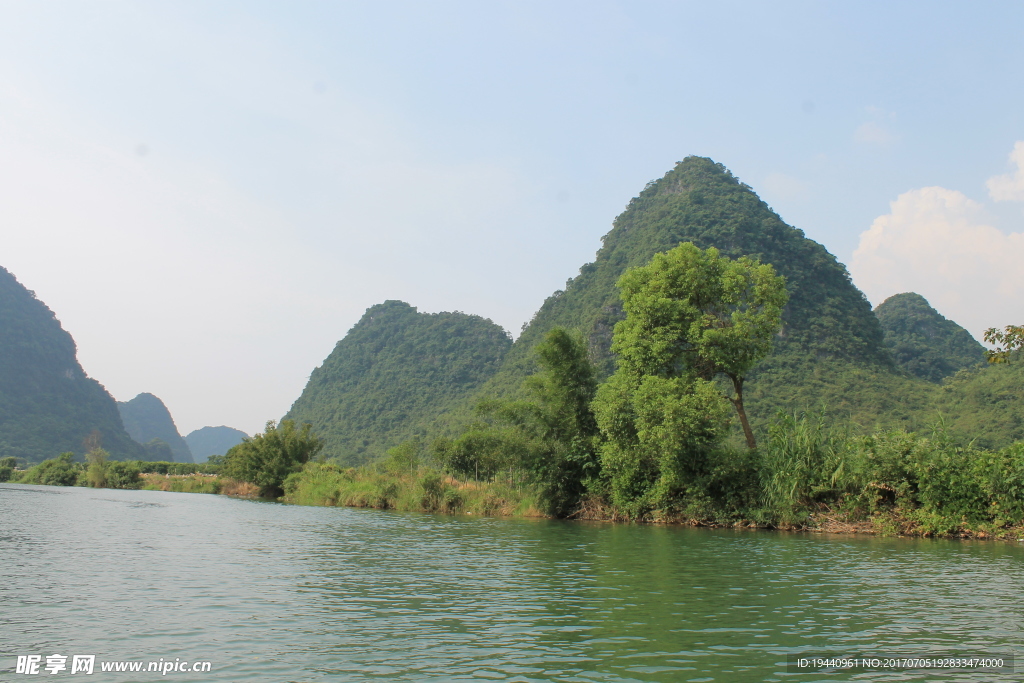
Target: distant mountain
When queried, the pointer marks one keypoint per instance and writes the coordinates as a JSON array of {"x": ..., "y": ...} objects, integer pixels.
[
  {"x": 394, "y": 373},
  {"x": 47, "y": 403},
  {"x": 145, "y": 418},
  {"x": 922, "y": 341},
  {"x": 213, "y": 441}
]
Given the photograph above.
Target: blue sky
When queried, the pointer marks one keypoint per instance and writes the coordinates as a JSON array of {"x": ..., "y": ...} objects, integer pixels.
[{"x": 210, "y": 194}]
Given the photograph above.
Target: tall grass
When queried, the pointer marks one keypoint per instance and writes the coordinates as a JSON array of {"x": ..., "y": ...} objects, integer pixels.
[
  {"x": 902, "y": 482},
  {"x": 417, "y": 488}
]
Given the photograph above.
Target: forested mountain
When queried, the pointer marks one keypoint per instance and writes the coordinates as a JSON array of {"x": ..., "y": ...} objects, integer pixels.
[
  {"x": 985, "y": 404},
  {"x": 209, "y": 441},
  {"x": 922, "y": 341},
  {"x": 145, "y": 418},
  {"x": 47, "y": 403},
  {"x": 831, "y": 347},
  {"x": 392, "y": 376}
]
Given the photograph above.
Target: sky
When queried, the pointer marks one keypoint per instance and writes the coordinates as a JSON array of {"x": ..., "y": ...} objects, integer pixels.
[{"x": 210, "y": 194}]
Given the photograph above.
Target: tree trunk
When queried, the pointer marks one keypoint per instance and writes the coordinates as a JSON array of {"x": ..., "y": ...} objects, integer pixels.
[{"x": 737, "y": 384}]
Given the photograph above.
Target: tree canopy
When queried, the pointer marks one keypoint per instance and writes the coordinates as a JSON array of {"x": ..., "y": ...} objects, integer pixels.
[
  {"x": 694, "y": 311},
  {"x": 267, "y": 459},
  {"x": 1008, "y": 341}
]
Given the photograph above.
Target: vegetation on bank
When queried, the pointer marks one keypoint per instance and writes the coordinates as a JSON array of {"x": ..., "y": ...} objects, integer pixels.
[{"x": 98, "y": 471}]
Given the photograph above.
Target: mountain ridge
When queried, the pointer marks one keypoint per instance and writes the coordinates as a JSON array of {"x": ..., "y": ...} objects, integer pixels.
[{"x": 48, "y": 404}]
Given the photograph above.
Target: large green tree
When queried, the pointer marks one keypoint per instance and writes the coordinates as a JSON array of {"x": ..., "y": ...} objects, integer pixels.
[
  {"x": 694, "y": 312},
  {"x": 267, "y": 458}
]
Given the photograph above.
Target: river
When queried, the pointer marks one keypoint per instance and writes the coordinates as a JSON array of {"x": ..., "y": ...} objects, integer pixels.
[{"x": 269, "y": 592}]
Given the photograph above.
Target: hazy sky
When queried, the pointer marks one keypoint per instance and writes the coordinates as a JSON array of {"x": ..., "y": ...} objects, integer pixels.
[{"x": 210, "y": 194}]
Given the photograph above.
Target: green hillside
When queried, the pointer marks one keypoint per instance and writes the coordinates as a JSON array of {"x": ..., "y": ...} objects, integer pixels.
[
  {"x": 47, "y": 403},
  {"x": 831, "y": 347},
  {"x": 145, "y": 418},
  {"x": 985, "y": 404},
  {"x": 393, "y": 375},
  {"x": 922, "y": 341}
]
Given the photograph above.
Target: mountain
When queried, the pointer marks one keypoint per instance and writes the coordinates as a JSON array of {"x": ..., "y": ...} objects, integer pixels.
[
  {"x": 922, "y": 341},
  {"x": 213, "y": 441},
  {"x": 145, "y": 418},
  {"x": 47, "y": 403},
  {"x": 392, "y": 376},
  {"x": 830, "y": 349}
]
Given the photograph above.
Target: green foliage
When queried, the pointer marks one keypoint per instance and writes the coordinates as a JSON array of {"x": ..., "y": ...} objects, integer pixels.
[
  {"x": 403, "y": 458},
  {"x": 691, "y": 312},
  {"x": 7, "y": 466},
  {"x": 423, "y": 490},
  {"x": 47, "y": 403},
  {"x": 268, "y": 458},
  {"x": 906, "y": 482},
  {"x": 96, "y": 471},
  {"x": 1009, "y": 342},
  {"x": 659, "y": 433},
  {"x": 983, "y": 405},
  {"x": 123, "y": 475},
  {"x": 59, "y": 471},
  {"x": 801, "y": 463},
  {"x": 923, "y": 342},
  {"x": 394, "y": 374},
  {"x": 180, "y": 468},
  {"x": 550, "y": 439}
]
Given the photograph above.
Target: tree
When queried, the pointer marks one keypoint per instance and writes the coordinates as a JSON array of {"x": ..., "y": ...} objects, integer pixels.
[
  {"x": 59, "y": 471},
  {"x": 1007, "y": 341},
  {"x": 7, "y": 466},
  {"x": 658, "y": 435},
  {"x": 266, "y": 459},
  {"x": 96, "y": 474},
  {"x": 551, "y": 437},
  {"x": 694, "y": 312},
  {"x": 564, "y": 390}
]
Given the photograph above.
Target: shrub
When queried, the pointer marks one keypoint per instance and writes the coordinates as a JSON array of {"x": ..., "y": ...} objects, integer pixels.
[{"x": 59, "y": 471}]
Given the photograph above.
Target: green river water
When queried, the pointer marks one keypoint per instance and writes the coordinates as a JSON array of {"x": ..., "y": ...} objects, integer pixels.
[{"x": 268, "y": 592}]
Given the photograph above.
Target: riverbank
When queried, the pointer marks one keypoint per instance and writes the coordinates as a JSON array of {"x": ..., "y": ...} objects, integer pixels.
[
  {"x": 421, "y": 490},
  {"x": 909, "y": 508},
  {"x": 429, "y": 491},
  {"x": 197, "y": 483}
]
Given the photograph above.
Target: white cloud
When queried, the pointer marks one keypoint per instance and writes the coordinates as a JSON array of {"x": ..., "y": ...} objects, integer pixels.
[
  {"x": 1009, "y": 187},
  {"x": 942, "y": 245}
]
